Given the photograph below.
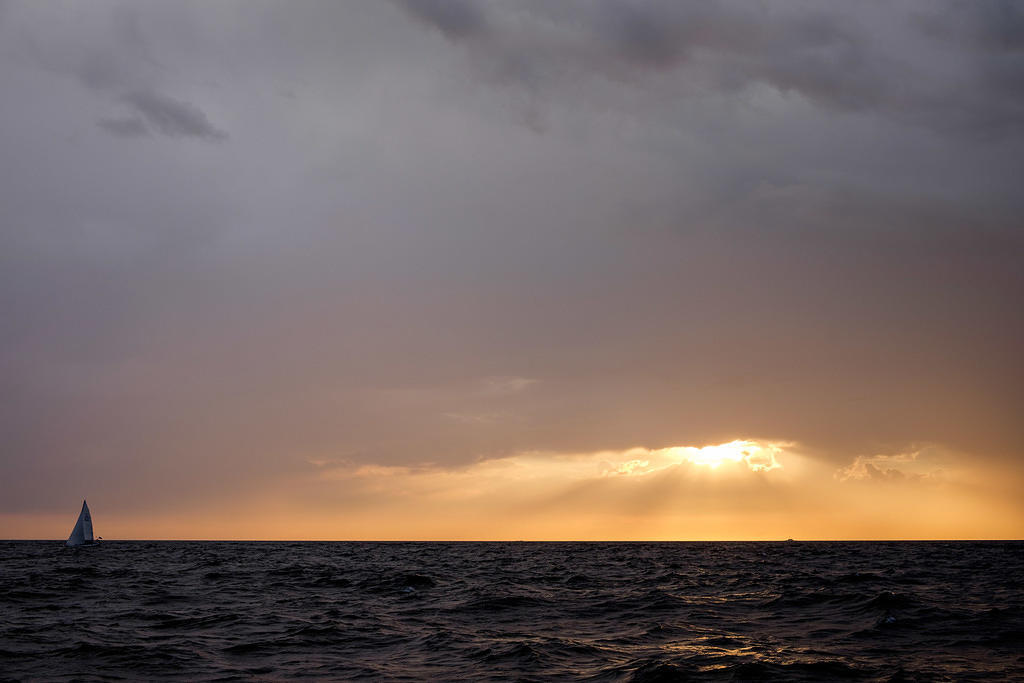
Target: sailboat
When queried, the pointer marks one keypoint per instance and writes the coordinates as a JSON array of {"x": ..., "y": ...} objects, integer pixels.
[{"x": 82, "y": 533}]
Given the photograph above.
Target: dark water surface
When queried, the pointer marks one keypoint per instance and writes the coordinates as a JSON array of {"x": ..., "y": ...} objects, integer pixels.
[{"x": 917, "y": 611}]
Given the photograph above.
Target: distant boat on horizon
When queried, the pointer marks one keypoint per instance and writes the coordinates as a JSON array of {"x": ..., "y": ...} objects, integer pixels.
[{"x": 81, "y": 535}]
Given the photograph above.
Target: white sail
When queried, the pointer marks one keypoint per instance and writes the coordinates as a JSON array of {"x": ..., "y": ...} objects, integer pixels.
[{"x": 82, "y": 533}]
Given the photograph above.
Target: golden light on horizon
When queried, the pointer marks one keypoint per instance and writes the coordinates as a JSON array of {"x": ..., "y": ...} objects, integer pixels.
[
  {"x": 744, "y": 489},
  {"x": 758, "y": 457}
]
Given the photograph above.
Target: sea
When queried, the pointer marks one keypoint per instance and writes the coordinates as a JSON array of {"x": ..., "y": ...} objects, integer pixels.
[{"x": 645, "y": 612}]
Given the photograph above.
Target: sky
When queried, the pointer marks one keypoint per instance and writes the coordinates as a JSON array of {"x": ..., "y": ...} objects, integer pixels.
[{"x": 453, "y": 270}]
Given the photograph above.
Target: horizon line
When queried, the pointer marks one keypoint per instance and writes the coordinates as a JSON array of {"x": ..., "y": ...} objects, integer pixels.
[{"x": 523, "y": 540}]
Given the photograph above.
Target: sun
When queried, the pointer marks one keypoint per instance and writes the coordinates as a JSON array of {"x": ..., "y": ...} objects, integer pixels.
[{"x": 758, "y": 457}]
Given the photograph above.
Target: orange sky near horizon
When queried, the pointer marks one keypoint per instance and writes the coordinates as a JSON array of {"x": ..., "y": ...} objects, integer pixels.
[{"x": 742, "y": 490}]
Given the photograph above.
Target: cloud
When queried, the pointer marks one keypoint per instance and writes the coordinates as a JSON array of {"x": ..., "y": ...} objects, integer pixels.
[
  {"x": 735, "y": 458},
  {"x": 128, "y": 127},
  {"x": 605, "y": 36},
  {"x": 501, "y": 386},
  {"x": 685, "y": 492},
  {"x": 913, "y": 465},
  {"x": 989, "y": 25},
  {"x": 456, "y": 19},
  {"x": 832, "y": 59},
  {"x": 171, "y": 117},
  {"x": 113, "y": 56},
  {"x": 756, "y": 456}
]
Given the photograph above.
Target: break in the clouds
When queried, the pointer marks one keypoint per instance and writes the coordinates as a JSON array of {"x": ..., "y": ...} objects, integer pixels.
[{"x": 249, "y": 250}]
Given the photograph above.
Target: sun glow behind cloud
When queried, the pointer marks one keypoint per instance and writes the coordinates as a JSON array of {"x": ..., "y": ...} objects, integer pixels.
[
  {"x": 757, "y": 456},
  {"x": 747, "y": 456},
  {"x": 740, "y": 490}
]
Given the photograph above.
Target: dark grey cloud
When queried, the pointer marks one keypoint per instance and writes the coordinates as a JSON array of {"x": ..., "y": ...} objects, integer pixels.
[
  {"x": 641, "y": 37},
  {"x": 128, "y": 127},
  {"x": 171, "y": 117},
  {"x": 833, "y": 58},
  {"x": 456, "y": 19},
  {"x": 992, "y": 25},
  {"x": 123, "y": 68}
]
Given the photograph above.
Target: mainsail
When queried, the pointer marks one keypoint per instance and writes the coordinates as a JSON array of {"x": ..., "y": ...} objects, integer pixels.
[{"x": 82, "y": 533}]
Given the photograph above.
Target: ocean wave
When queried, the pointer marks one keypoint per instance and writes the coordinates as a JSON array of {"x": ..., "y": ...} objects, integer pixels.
[{"x": 529, "y": 611}]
